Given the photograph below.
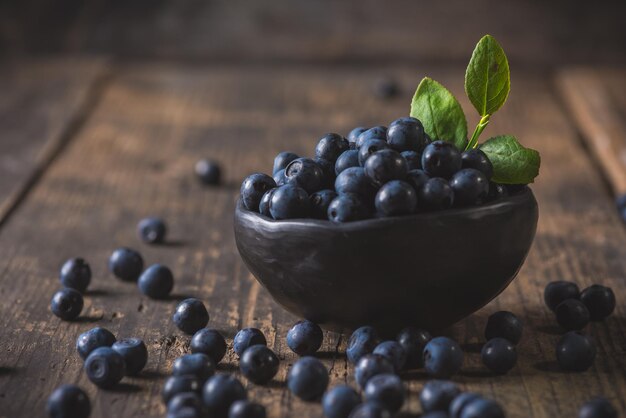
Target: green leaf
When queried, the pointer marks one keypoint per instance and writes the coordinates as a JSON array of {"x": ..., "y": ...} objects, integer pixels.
[
  {"x": 487, "y": 79},
  {"x": 512, "y": 163},
  {"x": 439, "y": 112}
]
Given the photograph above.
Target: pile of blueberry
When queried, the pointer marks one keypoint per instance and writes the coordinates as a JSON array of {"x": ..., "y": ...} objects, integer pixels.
[{"x": 375, "y": 172}]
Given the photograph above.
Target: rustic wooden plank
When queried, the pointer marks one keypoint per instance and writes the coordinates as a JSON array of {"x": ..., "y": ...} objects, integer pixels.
[{"x": 134, "y": 157}]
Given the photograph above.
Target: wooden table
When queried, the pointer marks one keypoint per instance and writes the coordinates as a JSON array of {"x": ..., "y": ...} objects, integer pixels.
[{"x": 89, "y": 148}]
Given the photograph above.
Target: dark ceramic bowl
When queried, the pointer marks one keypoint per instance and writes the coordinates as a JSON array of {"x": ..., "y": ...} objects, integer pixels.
[{"x": 428, "y": 270}]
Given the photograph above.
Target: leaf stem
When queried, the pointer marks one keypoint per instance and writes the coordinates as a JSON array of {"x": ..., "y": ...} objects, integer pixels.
[{"x": 482, "y": 124}]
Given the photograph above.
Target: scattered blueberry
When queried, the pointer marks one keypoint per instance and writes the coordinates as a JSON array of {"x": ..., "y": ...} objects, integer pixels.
[
  {"x": 253, "y": 188},
  {"x": 417, "y": 179},
  {"x": 307, "y": 378},
  {"x": 441, "y": 159},
  {"x": 413, "y": 341},
  {"x": 152, "y": 230},
  {"x": 354, "y": 134},
  {"x": 370, "y": 410},
  {"x": 386, "y": 88},
  {"x": 406, "y": 134},
  {"x": 470, "y": 187},
  {"x": 348, "y": 207},
  {"x": 208, "y": 172},
  {"x": 339, "y": 401},
  {"x": 572, "y": 314},
  {"x": 386, "y": 389},
  {"x": 482, "y": 408},
  {"x": 185, "y": 400},
  {"x": 396, "y": 198},
  {"x": 289, "y": 201},
  {"x": 354, "y": 180},
  {"x": 197, "y": 364},
  {"x": 371, "y": 365},
  {"x": 504, "y": 324},
  {"x": 258, "y": 364},
  {"x": 75, "y": 274},
  {"x": 305, "y": 173},
  {"x": 435, "y": 194},
  {"x": 126, "y": 264},
  {"x": 319, "y": 203},
  {"x": 156, "y": 281},
  {"x": 597, "y": 408},
  {"x": 413, "y": 160},
  {"x": 346, "y": 160},
  {"x": 331, "y": 146},
  {"x": 478, "y": 160},
  {"x": 557, "y": 292},
  {"x": 377, "y": 132},
  {"x": 210, "y": 342},
  {"x": 394, "y": 352},
  {"x": 282, "y": 160},
  {"x": 499, "y": 355},
  {"x": 437, "y": 395},
  {"x": 92, "y": 339},
  {"x": 385, "y": 165},
  {"x": 362, "y": 341},
  {"x": 369, "y": 147},
  {"x": 105, "y": 367},
  {"x": 220, "y": 392},
  {"x": 305, "y": 338},
  {"x": 460, "y": 401},
  {"x": 599, "y": 300},
  {"x": 67, "y": 304},
  {"x": 443, "y": 357},
  {"x": 190, "y": 316},
  {"x": 264, "y": 204},
  {"x": 246, "y": 409},
  {"x": 175, "y": 385},
  {"x": 134, "y": 352},
  {"x": 185, "y": 412},
  {"x": 247, "y": 337},
  {"x": 68, "y": 401},
  {"x": 575, "y": 351}
]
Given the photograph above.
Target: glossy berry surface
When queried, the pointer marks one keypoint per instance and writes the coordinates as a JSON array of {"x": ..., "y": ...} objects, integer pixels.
[
  {"x": 504, "y": 324},
  {"x": 572, "y": 314},
  {"x": 156, "y": 281},
  {"x": 346, "y": 160},
  {"x": 417, "y": 179},
  {"x": 105, "y": 367},
  {"x": 339, "y": 401},
  {"x": 499, "y": 355},
  {"x": 264, "y": 204},
  {"x": 319, "y": 203},
  {"x": 376, "y": 132},
  {"x": 348, "y": 207},
  {"x": 354, "y": 134},
  {"x": 396, "y": 198},
  {"x": 220, "y": 392},
  {"x": 443, "y": 357},
  {"x": 196, "y": 364},
  {"x": 482, "y": 408},
  {"x": 282, "y": 160},
  {"x": 599, "y": 300},
  {"x": 575, "y": 351},
  {"x": 288, "y": 202},
  {"x": 413, "y": 160},
  {"x": 478, "y": 160},
  {"x": 75, "y": 274},
  {"x": 190, "y": 316},
  {"x": 185, "y": 412},
  {"x": 185, "y": 400},
  {"x": 134, "y": 352},
  {"x": 387, "y": 390},
  {"x": 597, "y": 408},
  {"x": 459, "y": 402},
  {"x": 557, "y": 292},
  {"x": 307, "y": 378},
  {"x": 369, "y": 147},
  {"x": 246, "y": 409},
  {"x": 435, "y": 194},
  {"x": 92, "y": 339},
  {"x": 247, "y": 337},
  {"x": 370, "y": 410},
  {"x": 208, "y": 172},
  {"x": 354, "y": 180},
  {"x": 441, "y": 159},
  {"x": 253, "y": 188},
  {"x": 152, "y": 230},
  {"x": 175, "y": 385},
  {"x": 305, "y": 173},
  {"x": 406, "y": 134},
  {"x": 437, "y": 395},
  {"x": 210, "y": 342},
  {"x": 330, "y": 146},
  {"x": 362, "y": 341},
  {"x": 371, "y": 365},
  {"x": 67, "y": 304},
  {"x": 305, "y": 338},
  {"x": 126, "y": 264},
  {"x": 259, "y": 364},
  {"x": 470, "y": 187},
  {"x": 394, "y": 352},
  {"x": 68, "y": 401},
  {"x": 413, "y": 341},
  {"x": 385, "y": 165},
  {"x": 279, "y": 178}
]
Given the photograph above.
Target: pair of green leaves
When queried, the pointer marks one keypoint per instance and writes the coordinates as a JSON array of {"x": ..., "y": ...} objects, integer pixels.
[{"x": 487, "y": 84}]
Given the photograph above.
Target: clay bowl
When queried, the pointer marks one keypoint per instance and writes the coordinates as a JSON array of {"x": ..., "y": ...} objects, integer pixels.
[{"x": 428, "y": 270}]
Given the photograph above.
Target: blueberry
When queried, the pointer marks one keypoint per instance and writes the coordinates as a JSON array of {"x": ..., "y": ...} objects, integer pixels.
[
  {"x": 394, "y": 352},
  {"x": 175, "y": 385},
  {"x": 437, "y": 395},
  {"x": 92, "y": 339},
  {"x": 307, "y": 378},
  {"x": 385, "y": 165},
  {"x": 246, "y": 409},
  {"x": 599, "y": 300},
  {"x": 68, "y": 401},
  {"x": 346, "y": 160},
  {"x": 386, "y": 389},
  {"x": 386, "y": 88},
  {"x": 264, "y": 204},
  {"x": 156, "y": 281},
  {"x": 442, "y": 357},
  {"x": 75, "y": 274},
  {"x": 377, "y": 132},
  {"x": 319, "y": 202},
  {"x": 620, "y": 203},
  {"x": 282, "y": 160},
  {"x": 434, "y": 414},
  {"x": 328, "y": 168},
  {"x": 396, "y": 198},
  {"x": 208, "y": 172},
  {"x": 152, "y": 230},
  {"x": 288, "y": 202},
  {"x": 354, "y": 134},
  {"x": 371, "y": 365},
  {"x": 557, "y": 292},
  {"x": 499, "y": 355},
  {"x": 185, "y": 400},
  {"x": 197, "y": 364},
  {"x": 331, "y": 146},
  {"x": 597, "y": 408},
  {"x": 305, "y": 338},
  {"x": 126, "y": 264},
  {"x": 575, "y": 351},
  {"x": 478, "y": 160},
  {"x": 210, "y": 342},
  {"x": 190, "y": 316},
  {"x": 441, "y": 159},
  {"x": 134, "y": 352},
  {"x": 572, "y": 314},
  {"x": 185, "y": 412},
  {"x": 370, "y": 410},
  {"x": 417, "y": 179},
  {"x": 435, "y": 194},
  {"x": 369, "y": 147},
  {"x": 67, "y": 304},
  {"x": 259, "y": 364},
  {"x": 348, "y": 207},
  {"x": 340, "y": 401},
  {"x": 413, "y": 160},
  {"x": 470, "y": 187},
  {"x": 247, "y": 337},
  {"x": 279, "y": 178},
  {"x": 460, "y": 401},
  {"x": 253, "y": 188},
  {"x": 220, "y": 392},
  {"x": 497, "y": 191},
  {"x": 504, "y": 324},
  {"x": 413, "y": 341},
  {"x": 482, "y": 408},
  {"x": 362, "y": 341},
  {"x": 406, "y": 134},
  {"x": 306, "y": 173},
  {"x": 105, "y": 367},
  {"x": 354, "y": 180}
]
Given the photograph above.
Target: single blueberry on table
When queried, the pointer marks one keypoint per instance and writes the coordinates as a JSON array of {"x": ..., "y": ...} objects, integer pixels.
[
  {"x": 482, "y": 408},
  {"x": 247, "y": 337},
  {"x": 370, "y": 410},
  {"x": 220, "y": 392},
  {"x": 386, "y": 88},
  {"x": 504, "y": 324},
  {"x": 557, "y": 292},
  {"x": 105, "y": 367},
  {"x": 394, "y": 352},
  {"x": 435, "y": 194},
  {"x": 413, "y": 160},
  {"x": 92, "y": 339},
  {"x": 328, "y": 168},
  {"x": 134, "y": 352},
  {"x": 175, "y": 385},
  {"x": 346, "y": 160},
  {"x": 282, "y": 160},
  {"x": 354, "y": 134},
  {"x": 279, "y": 178},
  {"x": 417, "y": 179},
  {"x": 126, "y": 264},
  {"x": 67, "y": 304},
  {"x": 413, "y": 341},
  {"x": 371, "y": 365},
  {"x": 377, "y": 132},
  {"x": 362, "y": 341},
  {"x": 197, "y": 364},
  {"x": 437, "y": 395},
  {"x": 156, "y": 281},
  {"x": 441, "y": 159},
  {"x": 443, "y": 357},
  {"x": 478, "y": 160},
  {"x": 186, "y": 412},
  {"x": 572, "y": 314},
  {"x": 339, "y": 401},
  {"x": 499, "y": 355},
  {"x": 330, "y": 146},
  {"x": 75, "y": 274},
  {"x": 369, "y": 147},
  {"x": 152, "y": 230},
  {"x": 246, "y": 409},
  {"x": 289, "y": 202},
  {"x": 470, "y": 187},
  {"x": 460, "y": 401},
  {"x": 406, "y": 134},
  {"x": 68, "y": 401},
  {"x": 575, "y": 352},
  {"x": 599, "y": 300},
  {"x": 348, "y": 207},
  {"x": 385, "y": 165},
  {"x": 319, "y": 203},
  {"x": 354, "y": 180},
  {"x": 305, "y": 338},
  {"x": 210, "y": 342},
  {"x": 497, "y": 191},
  {"x": 396, "y": 198},
  {"x": 264, "y": 204},
  {"x": 259, "y": 364},
  {"x": 253, "y": 188},
  {"x": 305, "y": 173},
  {"x": 597, "y": 408},
  {"x": 386, "y": 389},
  {"x": 190, "y": 316},
  {"x": 208, "y": 172},
  {"x": 185, "y": 400},
  {"x": 307, "y": 378}
]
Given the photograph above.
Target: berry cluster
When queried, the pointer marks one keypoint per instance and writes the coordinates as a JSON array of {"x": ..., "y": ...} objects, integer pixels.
[{"x": 375, "y": 172}]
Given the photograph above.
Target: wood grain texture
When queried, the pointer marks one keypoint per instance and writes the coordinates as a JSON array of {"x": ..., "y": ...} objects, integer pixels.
[{"x": 134, "y": 157}]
